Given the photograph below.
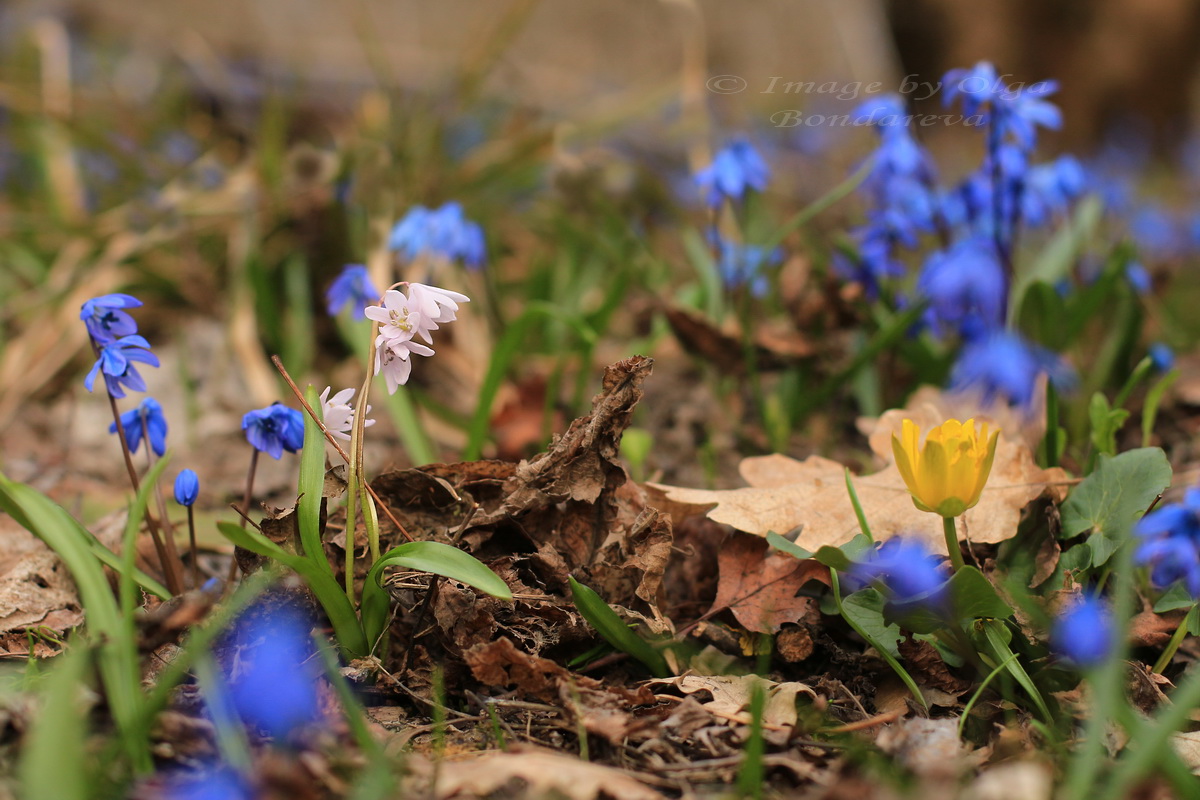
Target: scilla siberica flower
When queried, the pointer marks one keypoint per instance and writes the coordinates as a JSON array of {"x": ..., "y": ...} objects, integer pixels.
[
  {"x": 965, "y": 282},
  {"x": 1084, "y": 633},
  {"x": 1004, "y": 366},
  {"x": 352, "y": 288},
  {"x": 116, "y": 362},
  {"x": 274, "y": 429},
  {"x": 146, "y": 418},
  {"x": 274, "y": 687},
  {"x": 440, "y": 233},
  {"x": 947, "y": 473},
  {"x": 1169, "y": 543},
  {"x": 1162, "y": 356},
  {"x": 736, "y": 168},
  {"x": 105, "y": 319},
  {"x": 338, "y": 414},
  {"x": 187, "y": 487},
  {"x": 214, "y": 783},
  {"x": 906, "y": 570}
]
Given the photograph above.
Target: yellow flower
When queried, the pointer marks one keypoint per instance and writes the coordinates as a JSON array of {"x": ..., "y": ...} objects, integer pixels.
[{"x": 946, "y": 475}]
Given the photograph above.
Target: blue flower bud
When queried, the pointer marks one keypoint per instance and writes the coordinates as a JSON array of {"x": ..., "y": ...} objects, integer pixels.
[{"x": 187, "y": 486}]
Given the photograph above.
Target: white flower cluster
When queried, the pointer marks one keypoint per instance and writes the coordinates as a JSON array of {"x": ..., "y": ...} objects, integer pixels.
[{"x": 402, "y": 318}]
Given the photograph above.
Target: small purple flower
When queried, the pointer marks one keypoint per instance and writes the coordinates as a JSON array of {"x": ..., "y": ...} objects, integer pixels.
[
  {"x": 1003, "y": 365},
  {"x": 352, "y": 288},
  {"x": 907, "y": 570},
  {"x": 964, "y": 284},
  {"x": 150, "y": 413},
  {"x": 274, "y": 688},
  {"x": 1138, "y": 278},
  {"x": 735, "y": 168},
  {"x": 105, "y": 320},
  {"x": 1084, "y": 633},
  {"x": 1162, "y": 356},
  {"x": 116, "y": 363},
  {"x": 187, "y": 487},
  {"x": 274, "y": 429},
  {"x": 214, "y": 783},
  {"x": 442, "y": 233},
  {"x": 1170, "y": 543},
  {"x": 744, "y": 264}
]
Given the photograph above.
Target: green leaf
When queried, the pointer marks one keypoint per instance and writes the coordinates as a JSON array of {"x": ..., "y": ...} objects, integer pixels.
[
  {"x": 311, "y": 486},
  {"x": 864, "y": 611},
  {"x": 1106, "y": 422},
  {"x": 998, "y": 636},
  {"x": 969, "y": 595},
  {"x": 615, "y": 631},
  {"x": 1192, "y": 620},
  {"x": 842, "y": 558},
  {"x": 1113, "y": 497},
  {"x": 1057, "y": 258},
  {"x": 1153, "y": 399},
  {"x": 785, "y": 545},
  {"x": 1174, "y": 598},
  {"x": 53, "y": 753},
  {"x": 346, "y": 627},
  {"x": 433, "y": 557},
  {"x": 1043, "y": 315}
]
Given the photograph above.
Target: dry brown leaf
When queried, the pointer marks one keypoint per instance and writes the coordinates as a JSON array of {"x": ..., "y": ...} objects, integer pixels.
[
  {"x": 731, "y": 696},
  {"x": 760, "y": 587},
  {"x": 725, "y": 346},
  {"x": 543, "y": 773},
  {"x": 1187, "y": 745},
  {"x": 785, "y": 494}
]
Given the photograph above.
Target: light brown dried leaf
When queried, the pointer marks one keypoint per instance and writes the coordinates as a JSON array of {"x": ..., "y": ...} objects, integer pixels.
[
  {"x": 785, "y": 494},
  {"x": 544, "y": 774},
  {"x": 731, "y": 696}
]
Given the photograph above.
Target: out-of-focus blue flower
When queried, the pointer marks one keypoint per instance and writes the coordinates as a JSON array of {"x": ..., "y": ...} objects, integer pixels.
[
  {"x": 180, "y": 148},
  {"x": 1003, "y": 365},
  {"x": 1170, "y": 543},
  {"x": 116, "y": 363},
  {"x": 978, "y": 86},
  {"x": 105, "y": 320},
  {"x": 151, "y": 413},
  {"x": 744, "y": 264},
  {"x": 735, "y": 168},
  {"x": 1028, "y": 110},
  {"x": 1015, "y": 113},
  {"x": 964, "y": 283},
  {"x": 187, "y": 487},
  {"x": 1156, "y": 232},
  {"x": 352, "y": 288},
  {"x": 1137, "y": 276},
  {"x": 215, "y": 783},
  {"x": 1084, "y": 633},
  {"x": 441, "y": 233},
  {"x": 1050, "y": 189},
  {"x": 907, "y": 570},
  {"x": 275, "y": 689},
  {"x": 274, "y": 429},
  {"x": 874, "y": 262},
  {"x": 1162, "y": 356}
]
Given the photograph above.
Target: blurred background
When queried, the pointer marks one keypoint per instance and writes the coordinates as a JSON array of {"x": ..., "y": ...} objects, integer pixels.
[{"x": 225, "y": 160}]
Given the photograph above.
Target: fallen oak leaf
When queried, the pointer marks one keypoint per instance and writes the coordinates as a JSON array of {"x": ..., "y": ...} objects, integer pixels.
[
  {"x": 544, "y": 773},
  {"x": 731, "y": 695},
  {"x": 760, "y": 586},
  {"x": 785, "y": 494}
]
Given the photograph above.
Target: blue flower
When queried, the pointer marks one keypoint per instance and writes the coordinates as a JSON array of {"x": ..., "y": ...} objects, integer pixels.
[
  {"x": 907, "y": 570},
  {"x": 1162, "y": 356},
  {"x": 1025, "y": 110},
  {"x": 105, "y": 320},
  {"x": 964, "y": 284},
  {"x": 274, "y": 429},
  {"x": 214, "y": 783},
  {"x": 353, "y": 288},
  {"x": 736, "y": 168},
  {"x": 743, "y": 264},
  {"x": 1084, "y": 633},
  {"x": 979, "y": 87},
  {"x": 116, "y": 363},
  {"x": 1138, "y": 278},
  {"x": 1003, "y": 365},
  {"x": 1170, "y": 543},
  {"x": 1050, "y": 189},
  {"x": 275, "y": 690},
  {"x": 151, "y": 413},
  {"x": 1156, "y": 231},
  {"x": 187, "y": 487},
  {"x": 874, "y": 262},
  {"x": 442, "y": 233}
]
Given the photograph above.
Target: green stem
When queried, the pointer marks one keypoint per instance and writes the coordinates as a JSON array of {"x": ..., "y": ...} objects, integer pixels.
[
  {"x": 1173, "y": 645},
  {"x": 956, "y": 559}
]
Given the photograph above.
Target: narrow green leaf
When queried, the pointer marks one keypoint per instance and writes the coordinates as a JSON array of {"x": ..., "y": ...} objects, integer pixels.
[
  {"x": 843, "y": 558},
  {"x": 786, "y": 545},
  {"x": 863, "y": 612},
  {"x": 859, "y": 514},
  {"x": 998, "y": 637},
  {"x": 614, "y": 630},
  {"x": 346, "y": 627},
  {"x": 53, "y": 756},
  {"x": 433, "y": 557}
]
